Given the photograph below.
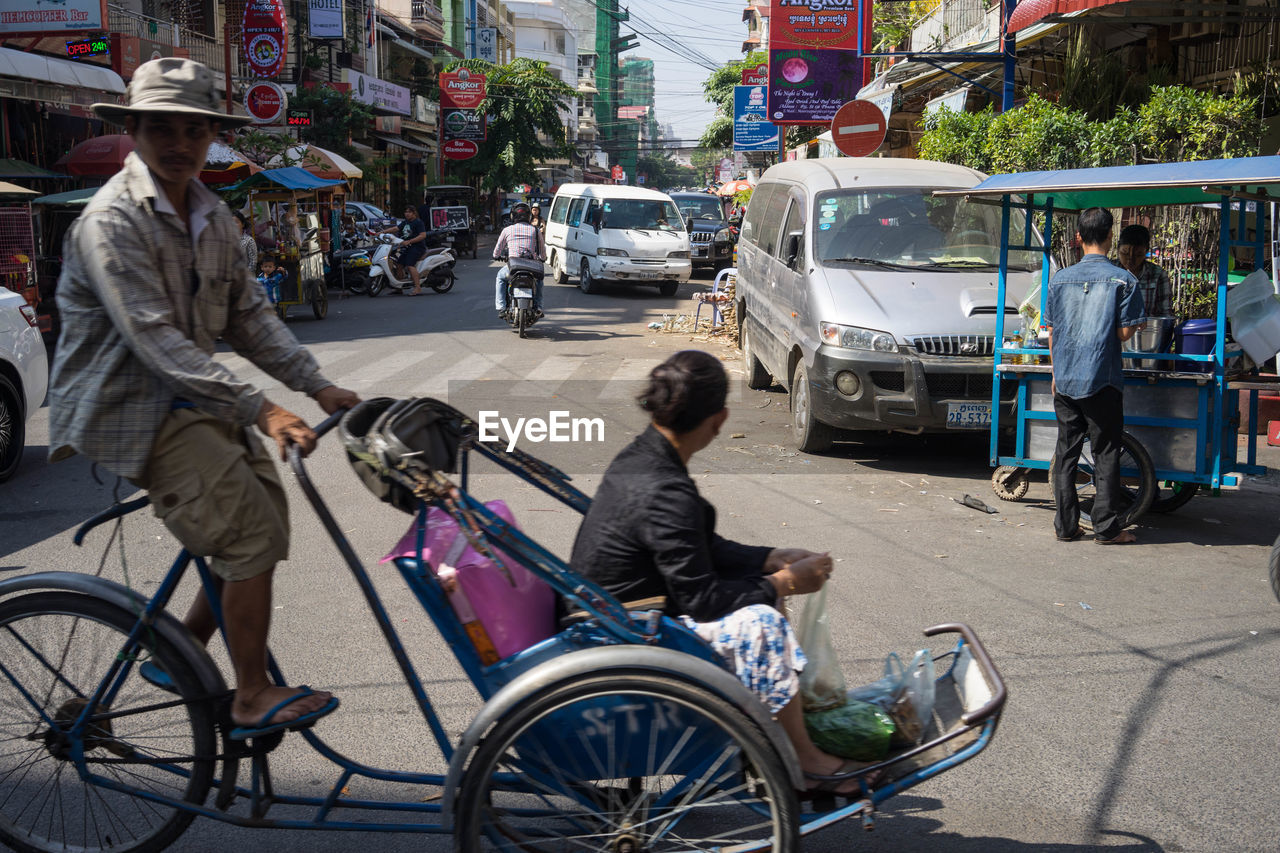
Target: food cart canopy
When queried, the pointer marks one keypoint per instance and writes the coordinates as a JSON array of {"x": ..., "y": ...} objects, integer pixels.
[
  {"x": 1196, "y": 182},
  {"x": 74, "y": 198},
  {"x": 289, "y": 177}
]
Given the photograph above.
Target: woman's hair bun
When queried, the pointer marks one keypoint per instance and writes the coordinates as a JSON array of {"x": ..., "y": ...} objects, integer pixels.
[{"x": 685, "y": 390}]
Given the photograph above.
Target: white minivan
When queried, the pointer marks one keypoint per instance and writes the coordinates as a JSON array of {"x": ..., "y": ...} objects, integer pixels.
[
  {"x": 624, "y": 235},
  {"x": 873, "y": 301}
]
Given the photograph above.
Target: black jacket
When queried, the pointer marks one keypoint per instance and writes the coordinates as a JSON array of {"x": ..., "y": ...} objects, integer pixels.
[{"x": 649, "y": 532}]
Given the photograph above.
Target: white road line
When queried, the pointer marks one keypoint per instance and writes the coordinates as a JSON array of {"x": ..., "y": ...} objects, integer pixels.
[
  {"x": 556, "y": 367},
  {"x": 378, "y": 375},
  {"x": 473, "y": 367},
  {"x": 628, "y": 379}
]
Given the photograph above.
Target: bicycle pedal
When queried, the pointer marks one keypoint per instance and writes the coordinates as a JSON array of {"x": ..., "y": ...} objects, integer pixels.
[{"x": 242, "y": 748}]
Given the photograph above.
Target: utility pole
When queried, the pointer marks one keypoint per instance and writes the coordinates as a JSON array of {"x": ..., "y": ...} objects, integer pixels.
[{"x": 473, "y": 21}]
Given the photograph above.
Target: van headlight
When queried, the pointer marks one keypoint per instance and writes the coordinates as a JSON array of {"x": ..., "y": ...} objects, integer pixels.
[
  {"x": 612, "y": 253},
  {"x": 683, "y": 253},
  {"x": 854, "y": 337}
]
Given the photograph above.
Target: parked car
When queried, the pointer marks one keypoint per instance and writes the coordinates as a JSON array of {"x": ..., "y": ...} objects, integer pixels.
[
  {"x": 873, "y": 301},
  {"x": 368, "y": 216},
  {"x": 24, "y": 377},
  {"x": 710, "y": 238},
  {"x": 616, "y": 234}
]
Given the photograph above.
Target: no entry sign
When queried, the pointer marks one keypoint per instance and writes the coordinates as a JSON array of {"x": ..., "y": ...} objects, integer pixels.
[{"x": 858, "y": 128}]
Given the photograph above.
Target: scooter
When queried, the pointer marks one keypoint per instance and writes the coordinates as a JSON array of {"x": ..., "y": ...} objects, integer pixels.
[
  {"x": 522, "y": 277},
  {"x": 349, "y": 267},
  {"x": 435, "y": 268}
]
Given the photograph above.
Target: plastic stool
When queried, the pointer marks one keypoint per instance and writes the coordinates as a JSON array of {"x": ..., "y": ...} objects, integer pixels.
[{"x": 714, "y": 297}]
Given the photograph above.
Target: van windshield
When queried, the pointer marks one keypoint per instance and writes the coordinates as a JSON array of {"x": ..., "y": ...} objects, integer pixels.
[
  {"x": 913, "y": 229},
  {"x": 641, "y": 214},
  {"x": 701, "y": 207}
]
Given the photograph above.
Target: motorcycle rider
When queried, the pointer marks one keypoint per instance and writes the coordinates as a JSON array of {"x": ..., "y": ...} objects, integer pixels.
[
  {"x": 413, "y": 232},
  {"x": 518, "y": 240}
]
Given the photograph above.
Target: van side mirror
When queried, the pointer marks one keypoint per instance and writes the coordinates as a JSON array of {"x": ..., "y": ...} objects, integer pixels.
[{"x": 792, "y": 250}]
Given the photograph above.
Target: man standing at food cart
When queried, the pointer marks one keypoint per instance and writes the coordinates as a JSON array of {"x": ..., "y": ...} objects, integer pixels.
[
  {"x": 1091, "y": 308},
  {"x": 1153, "y": 281},
  {"x": 153, "y": 275}
]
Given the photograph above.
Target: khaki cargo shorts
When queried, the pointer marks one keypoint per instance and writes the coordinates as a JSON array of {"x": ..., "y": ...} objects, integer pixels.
[{"x": 215, "y": 487}]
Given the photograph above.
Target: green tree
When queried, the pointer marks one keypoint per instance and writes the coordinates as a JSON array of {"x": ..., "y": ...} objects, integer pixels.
[
  {"x": 718, "y": 90},
  {"x": 523, "y": 102},
  {"x": 337, "y": 117},
  {"x": 660, "y": 170}
]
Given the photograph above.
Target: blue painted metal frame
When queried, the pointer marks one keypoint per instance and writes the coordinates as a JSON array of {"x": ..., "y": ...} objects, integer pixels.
[{"x": 1216, "y": 405}]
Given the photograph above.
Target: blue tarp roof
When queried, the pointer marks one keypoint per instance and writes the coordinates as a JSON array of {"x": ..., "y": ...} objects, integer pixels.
[
  {"x": 288, "y": 177},
  {"x": 74, "y": 198},
  {"x": 1136, "y": 186}
]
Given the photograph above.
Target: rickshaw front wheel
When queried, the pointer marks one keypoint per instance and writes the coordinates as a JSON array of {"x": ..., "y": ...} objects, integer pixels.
[
  {"x": 628, "y": 760},
  {"x": 319, "y": 300},
  {"x": 1275, "y": 569}
]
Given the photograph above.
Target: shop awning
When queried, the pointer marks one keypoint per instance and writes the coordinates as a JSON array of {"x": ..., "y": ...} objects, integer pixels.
[
  {"x": 74, "y": 198},
  {"x": 22, "y": 170},
  {"x": 288, "y": 177},
  {"x": 1198, "y": 182},
  {"x": 403, "y": 143},
  {"x": 33, "y": 66},
  {"x": 1030, "y": 11}
]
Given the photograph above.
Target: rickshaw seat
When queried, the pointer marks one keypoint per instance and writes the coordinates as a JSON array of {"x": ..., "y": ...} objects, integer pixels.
[{"x": 653, "y": 602}]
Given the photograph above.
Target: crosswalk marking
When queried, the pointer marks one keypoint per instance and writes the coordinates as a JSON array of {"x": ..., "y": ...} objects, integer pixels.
[
  {"x": 555, "y": 367},
  {"x": 628, "y": 378},
  {"x": 379, "y": 374},
  {"x": 475, "y": 366}
]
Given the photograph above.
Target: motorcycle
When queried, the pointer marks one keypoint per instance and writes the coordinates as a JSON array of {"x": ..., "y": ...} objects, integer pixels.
[
  {"x": 349, "y": 267},
  {"x": 522, "y": 277},
  {"x": 435, "y": 268}
]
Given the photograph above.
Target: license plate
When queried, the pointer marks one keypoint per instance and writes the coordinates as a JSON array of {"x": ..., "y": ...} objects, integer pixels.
[
  {"x": 522, "y": 293},
  {"x": 968, "y": 415},
  {"x": 697, "y": 253},
  {"x": 648, "y": 275}
]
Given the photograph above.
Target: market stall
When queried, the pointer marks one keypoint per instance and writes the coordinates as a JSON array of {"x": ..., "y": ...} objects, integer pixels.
[
  {"x": 292, "y": 214},
  {"x": 1181, "y": 407}
]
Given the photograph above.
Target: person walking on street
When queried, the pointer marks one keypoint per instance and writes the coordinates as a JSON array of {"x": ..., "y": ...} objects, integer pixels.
[
  {"x": 1091, "y": 308},
  {"x": 153, "y": 275}
]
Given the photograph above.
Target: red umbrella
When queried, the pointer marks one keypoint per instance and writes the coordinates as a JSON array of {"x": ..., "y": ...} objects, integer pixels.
[{"x": 102, "y": 156}]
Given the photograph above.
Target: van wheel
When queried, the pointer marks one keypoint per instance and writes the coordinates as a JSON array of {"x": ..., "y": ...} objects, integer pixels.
[
  {"x": 558, "y": 274},
  {"x": 668, "y": 288},
  {"x": 811, "y": 435},
  {"x": 757, "y": 377},
  {"x": 585, "y": 283},
  {"x": 13, "y": 427}
]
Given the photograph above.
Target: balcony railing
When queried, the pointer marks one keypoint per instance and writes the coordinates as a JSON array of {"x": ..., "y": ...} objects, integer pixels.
[
  {"x": 201, "y": 47},
  {"x": 426, "y": 11},
  {"x": 956, "y": 23}
]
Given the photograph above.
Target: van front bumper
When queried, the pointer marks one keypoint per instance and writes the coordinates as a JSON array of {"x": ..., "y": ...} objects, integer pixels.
[
  {"x": 628, "y": 270},
  {"x": 899, "y": 390}
]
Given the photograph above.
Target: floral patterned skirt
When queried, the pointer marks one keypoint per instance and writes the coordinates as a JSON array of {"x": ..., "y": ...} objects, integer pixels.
[{"x": 761, "y": 648}]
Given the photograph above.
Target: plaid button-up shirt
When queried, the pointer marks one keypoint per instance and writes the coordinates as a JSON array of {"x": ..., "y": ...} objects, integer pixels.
[
  {"x": 1157, "y": 292},
  {"x": 520, "y": 240},
  {"x": 143, "y": 301}
]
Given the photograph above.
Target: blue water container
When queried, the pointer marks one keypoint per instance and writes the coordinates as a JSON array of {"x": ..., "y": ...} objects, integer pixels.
[{"x": 1197, "y": 337}]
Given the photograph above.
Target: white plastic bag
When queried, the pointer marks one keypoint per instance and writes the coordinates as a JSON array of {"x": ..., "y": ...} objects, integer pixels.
[
  {"x": 822, "y": 684},
  {"x": 906, "y": 693}
]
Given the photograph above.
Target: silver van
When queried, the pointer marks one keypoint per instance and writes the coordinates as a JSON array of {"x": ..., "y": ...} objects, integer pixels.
[{"x": 871, "y": 300}]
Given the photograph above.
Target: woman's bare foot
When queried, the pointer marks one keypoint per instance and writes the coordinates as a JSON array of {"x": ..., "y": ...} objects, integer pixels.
[
  {"x": 248, "y": 711},
  {"x": 830, "y": 765}
]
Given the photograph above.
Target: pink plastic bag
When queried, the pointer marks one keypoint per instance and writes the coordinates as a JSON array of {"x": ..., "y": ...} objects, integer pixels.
[{"x": 502, "y": 615}]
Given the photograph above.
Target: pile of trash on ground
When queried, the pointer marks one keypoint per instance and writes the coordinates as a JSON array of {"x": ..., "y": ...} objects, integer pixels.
[{"x": 726, "y": 330}]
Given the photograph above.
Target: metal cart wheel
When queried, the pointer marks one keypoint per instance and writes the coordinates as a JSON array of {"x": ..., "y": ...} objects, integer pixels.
[
  {"x": 626, "y": 761},
  {"x": 1173, "y": 495},
  {"x": 319, "y": 300},
  {"x": 56, "y": 648},
  {"x": 1011, "y": 483},
  {"x": 1137, "y": 478},
  {"x": 1275, "y": 569}
]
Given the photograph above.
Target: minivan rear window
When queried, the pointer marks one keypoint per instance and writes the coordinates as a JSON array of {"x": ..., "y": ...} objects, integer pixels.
[{"x": 911, "y": 228}]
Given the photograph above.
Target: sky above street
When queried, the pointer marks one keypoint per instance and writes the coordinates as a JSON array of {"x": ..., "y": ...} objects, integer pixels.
[{"x": 677, "y": 35}]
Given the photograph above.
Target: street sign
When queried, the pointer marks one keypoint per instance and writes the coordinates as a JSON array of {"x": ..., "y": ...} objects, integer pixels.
[
  {"x": 463, "y": 124},
  {"x": 462, "y": 89},
  {"x": 265, "y": 32},
  {"x": 617, "y": 173},
  {"x": 858, "y": 128},
  {"x": 459, "y": 149},
  {"x": 265, "y": 102},
  {"x": 298, "y": 118},
  {"x": 487, "y": 44},
  {"x": 756, "y": 76}
]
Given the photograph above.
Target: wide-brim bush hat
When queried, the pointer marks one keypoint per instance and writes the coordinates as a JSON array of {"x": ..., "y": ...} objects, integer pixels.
[{"x": 174, "y": 85}]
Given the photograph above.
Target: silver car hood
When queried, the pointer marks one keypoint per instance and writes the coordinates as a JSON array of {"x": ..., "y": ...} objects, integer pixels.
[{"x": 914, "y": 304}]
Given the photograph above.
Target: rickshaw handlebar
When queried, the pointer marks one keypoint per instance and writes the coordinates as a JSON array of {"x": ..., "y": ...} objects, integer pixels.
[{"x": 996, "y": 702}]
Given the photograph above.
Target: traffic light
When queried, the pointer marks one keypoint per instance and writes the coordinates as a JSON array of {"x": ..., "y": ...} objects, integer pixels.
[{"x": 624, "y": 43}]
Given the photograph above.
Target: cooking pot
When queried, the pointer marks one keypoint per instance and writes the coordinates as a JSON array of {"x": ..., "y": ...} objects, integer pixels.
[{"x": 1154, "y": 337}]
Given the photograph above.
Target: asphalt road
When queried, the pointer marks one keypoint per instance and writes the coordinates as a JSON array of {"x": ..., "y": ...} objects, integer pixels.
[{"x": 1142, "y": 680}]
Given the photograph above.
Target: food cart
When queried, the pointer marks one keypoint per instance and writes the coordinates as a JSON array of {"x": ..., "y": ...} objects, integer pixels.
[
  {"x": 1181, "y": 409},
  {"x": 448, "y": 208},
  {"x": 292, "y": 214}
]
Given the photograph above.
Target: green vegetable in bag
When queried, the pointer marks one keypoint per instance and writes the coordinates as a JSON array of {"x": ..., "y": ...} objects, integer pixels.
[{"x": 858, "y": 730}]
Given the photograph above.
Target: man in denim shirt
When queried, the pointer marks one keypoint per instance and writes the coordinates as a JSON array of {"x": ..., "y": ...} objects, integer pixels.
[{"x": 1092, "y": 307}]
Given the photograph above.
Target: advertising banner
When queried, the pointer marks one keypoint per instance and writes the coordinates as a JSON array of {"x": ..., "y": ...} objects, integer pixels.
[
  {"x": 41, "y": 17},
  {"x": 265, "y": 37},
  {"x": 487, "y": 44},
  {"x": 752, "y": 130},
  {"x": 379, "y": 93},
  {"x": 325, "y": 19},
  {"x": 459, "y": 149},
  {"x": 463, "y": 124},
  {"x": 808, "y": 86},
  {"x": 830, "y": 24},
  {"x": 265, "y": 102},
  {"x": 461, "y": 89},
  {"x": 756, "y": 76}
]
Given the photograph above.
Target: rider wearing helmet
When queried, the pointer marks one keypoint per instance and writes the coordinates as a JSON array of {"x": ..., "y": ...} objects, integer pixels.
[{"x": 520, "y": 239}]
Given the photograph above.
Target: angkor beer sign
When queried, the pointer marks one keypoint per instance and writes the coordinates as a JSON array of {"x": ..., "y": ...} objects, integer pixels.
[
  {"x": 461, "y": 89},
  {"x": 757, "y": 75},
  {"x": 830, "y": 24},
  {"x": 266, "y": 36}
]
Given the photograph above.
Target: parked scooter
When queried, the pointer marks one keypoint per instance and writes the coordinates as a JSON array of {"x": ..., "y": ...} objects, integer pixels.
[
  {"x": 435, "y": 268},
  {"x": 523, "y": 275},
  {"x": 349, "y": 267}
]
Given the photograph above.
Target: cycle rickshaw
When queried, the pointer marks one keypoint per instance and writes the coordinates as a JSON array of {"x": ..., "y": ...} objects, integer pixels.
[{"x": 621, "y": 731}]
